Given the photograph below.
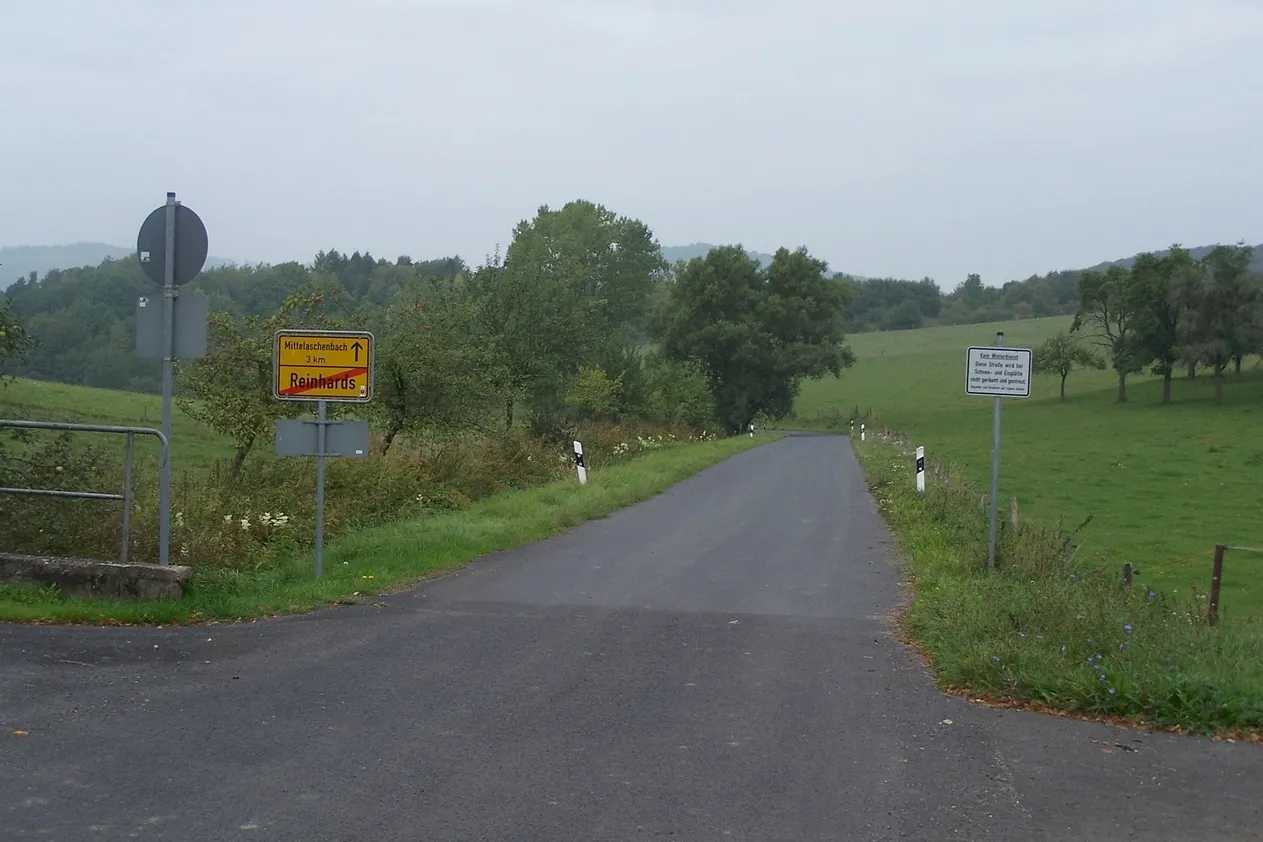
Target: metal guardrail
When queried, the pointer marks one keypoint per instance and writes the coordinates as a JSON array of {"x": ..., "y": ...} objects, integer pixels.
[{"x": 126, "y": 496}]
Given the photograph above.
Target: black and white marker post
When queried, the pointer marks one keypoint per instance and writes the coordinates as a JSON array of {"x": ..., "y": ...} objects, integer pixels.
[
  {"x": 997, "y": 372},
  {"x": 578, "y": 463},
  {"x": 920, "y": 470}
]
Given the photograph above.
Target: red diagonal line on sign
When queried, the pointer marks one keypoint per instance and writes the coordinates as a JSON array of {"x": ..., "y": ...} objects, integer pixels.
[{"x": 298, "y": 390}]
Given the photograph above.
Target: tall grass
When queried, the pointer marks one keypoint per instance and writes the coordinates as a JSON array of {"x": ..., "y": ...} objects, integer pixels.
[{"x": 1057, "y": 632}]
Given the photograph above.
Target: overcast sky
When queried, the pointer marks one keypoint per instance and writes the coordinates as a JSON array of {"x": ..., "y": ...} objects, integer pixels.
[{"x": 905, "y": 138}]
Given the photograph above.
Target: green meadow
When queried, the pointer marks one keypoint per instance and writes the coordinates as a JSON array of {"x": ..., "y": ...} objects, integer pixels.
[{"x": 1160, "y": 483}]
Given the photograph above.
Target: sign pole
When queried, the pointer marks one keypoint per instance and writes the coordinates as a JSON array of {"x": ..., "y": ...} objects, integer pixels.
[
  {"x": 321, "y": 425},
  {"x": 995, "y": 469},
  {"x": 168, "y": 355}
]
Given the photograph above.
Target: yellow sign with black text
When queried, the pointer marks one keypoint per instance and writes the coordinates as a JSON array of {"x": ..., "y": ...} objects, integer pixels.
[{"x": 323, "y": 365}]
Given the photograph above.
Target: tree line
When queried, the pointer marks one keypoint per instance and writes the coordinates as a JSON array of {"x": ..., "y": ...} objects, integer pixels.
[
  {"x": 1164, "y": 312},
  {"x": 580, "y": 319}
]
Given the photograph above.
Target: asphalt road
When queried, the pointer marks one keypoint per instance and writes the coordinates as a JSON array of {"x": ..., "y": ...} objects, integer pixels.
[{"x": 714, "y": 664}]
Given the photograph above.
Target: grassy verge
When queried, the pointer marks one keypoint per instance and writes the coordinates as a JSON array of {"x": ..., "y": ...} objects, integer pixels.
[
  {"x": 372, "y": 560},
  {"x": 1066, "y": 637}
]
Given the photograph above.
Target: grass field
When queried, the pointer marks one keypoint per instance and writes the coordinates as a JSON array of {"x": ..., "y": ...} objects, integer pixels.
[
  {"x": 1160, "y": 482},
  {"x": 194, "y": 447}
]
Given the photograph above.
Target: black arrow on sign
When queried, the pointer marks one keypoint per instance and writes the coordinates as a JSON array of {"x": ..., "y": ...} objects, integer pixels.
[{"x": 356, "y": 348}]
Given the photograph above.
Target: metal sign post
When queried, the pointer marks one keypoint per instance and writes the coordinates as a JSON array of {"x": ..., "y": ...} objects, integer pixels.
[
  {"x": 174, "y": 236},
  {"x": 322, "y": 365},
  {"x": 992, "y": 372}
]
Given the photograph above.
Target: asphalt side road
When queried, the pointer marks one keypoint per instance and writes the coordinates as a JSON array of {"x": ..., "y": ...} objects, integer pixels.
[{"x": 713, "y": 664}]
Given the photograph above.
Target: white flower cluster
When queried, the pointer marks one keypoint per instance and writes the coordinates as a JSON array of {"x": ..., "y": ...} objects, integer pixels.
[{"x": 274, "y": 521}]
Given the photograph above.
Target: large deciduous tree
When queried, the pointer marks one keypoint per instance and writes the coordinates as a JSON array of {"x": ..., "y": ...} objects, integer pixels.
[
  {"x": 572, "y": 281},
  {"x": 1164, "y": 289},
  {"x": 756, "y": 333},
  {"x": 1108, "y": 305},
  {"x": 1224, "y": 317}
]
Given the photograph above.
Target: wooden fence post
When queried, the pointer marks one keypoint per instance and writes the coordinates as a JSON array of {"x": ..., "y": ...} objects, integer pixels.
[
  {"x": 1217, "y": 572},
  {"x": 1127, "y": 573}
]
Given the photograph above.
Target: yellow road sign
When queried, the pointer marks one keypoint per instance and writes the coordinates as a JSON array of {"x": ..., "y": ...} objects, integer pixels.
[{"x": 330, "y": 365}]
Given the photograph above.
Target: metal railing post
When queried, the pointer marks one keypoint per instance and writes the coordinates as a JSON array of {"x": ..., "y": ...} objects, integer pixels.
[
  {"x": 128, "y": 458},
  {"x": 127, "y": 495}
]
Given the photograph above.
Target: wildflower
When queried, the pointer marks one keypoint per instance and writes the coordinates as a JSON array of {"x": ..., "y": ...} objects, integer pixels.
[
  {"x": 1122, "y": 646},
  {"x": 1063, "y": 650},
  {"x": 995, "y": 658},
  {"x": 179, "y": 518},
  {"x": 1111, "y": 691},
  {"x": 227, "y": 518},
  {"x": 1152, "y": 595},
  {"x": 1022, "y": 635},
  {"x": 245, "y": 522},
  {"x": 1127, "y": 628}
]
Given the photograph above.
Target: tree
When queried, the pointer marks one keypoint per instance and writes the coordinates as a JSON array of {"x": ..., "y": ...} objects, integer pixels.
[
  {"x": 1061, "y": 354},
  {"x": 15, "y": 340},
  {"x": 1164, "y": 290},
  {"x": 433, "y": 372},
  {"x": 1108, "y": 303},
  {"x": 572, "y": 281},
  {"x": 230, "y": 389},
  {"x": 756, "y": 333},
  {"x": 1223, "y": 318}
]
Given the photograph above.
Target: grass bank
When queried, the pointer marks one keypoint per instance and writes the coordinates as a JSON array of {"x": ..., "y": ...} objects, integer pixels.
[
  {"x": 368, "y": 561},
  {"x": 1039, "y": 630}
]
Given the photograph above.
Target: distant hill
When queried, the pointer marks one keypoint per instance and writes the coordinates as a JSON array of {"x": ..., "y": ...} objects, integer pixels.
[
  {"x": 1256, "y": 265},
  {"x": 674, "y": 253},
  {"x": 20, "y": 261}
]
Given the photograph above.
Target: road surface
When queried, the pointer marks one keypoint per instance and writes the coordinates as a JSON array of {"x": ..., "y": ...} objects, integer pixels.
[{"x": 714, "y": 664}]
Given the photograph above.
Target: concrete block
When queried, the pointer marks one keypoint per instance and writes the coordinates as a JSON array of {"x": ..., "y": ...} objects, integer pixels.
[{"x": 88, "y": 577}]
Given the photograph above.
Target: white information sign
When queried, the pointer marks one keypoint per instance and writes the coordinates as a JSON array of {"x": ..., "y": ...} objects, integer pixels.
[{"x": 998, "y": 372}]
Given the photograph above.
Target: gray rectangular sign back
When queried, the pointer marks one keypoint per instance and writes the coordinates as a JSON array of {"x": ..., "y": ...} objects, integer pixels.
[
  {"x": 297, "y": 437},
  {"x": 191, "y": 313}
]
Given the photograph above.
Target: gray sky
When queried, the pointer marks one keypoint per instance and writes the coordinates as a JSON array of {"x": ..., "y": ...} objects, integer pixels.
[{"x": 906, "y": 138}]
